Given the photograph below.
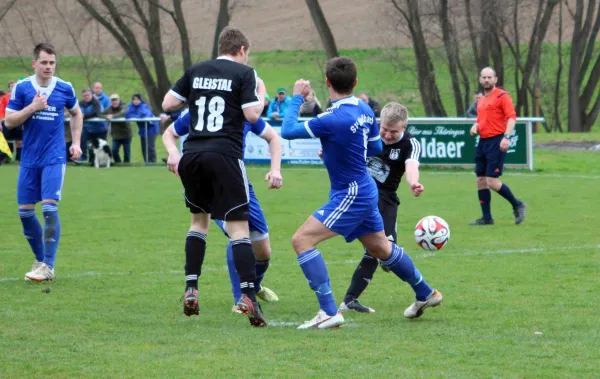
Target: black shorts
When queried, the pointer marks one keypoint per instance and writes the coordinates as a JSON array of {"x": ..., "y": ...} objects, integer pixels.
[
  {"x": 489, "y": 160},
  {"x": 215, "y": 183},
  {"x": 388, "y": 207}
]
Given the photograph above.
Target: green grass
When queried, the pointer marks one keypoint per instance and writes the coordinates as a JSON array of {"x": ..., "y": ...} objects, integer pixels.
[{"x": 114, "y": 310}]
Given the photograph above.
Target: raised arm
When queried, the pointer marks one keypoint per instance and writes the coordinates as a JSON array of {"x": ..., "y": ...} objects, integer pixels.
[{"x": 274, "y": 176}]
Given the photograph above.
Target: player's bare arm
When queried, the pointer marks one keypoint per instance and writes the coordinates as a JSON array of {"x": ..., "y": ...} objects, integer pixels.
[
  {"x": 171, "y": 103},
  {"x": 14, "y": 119},
  {"x": 274, "y": 175},
  {"x": 253, "y": 113},
  {"x": 76, "y": 127},
  {"x": 412, "y": 178},
  {"x": 170, "y": 141}
]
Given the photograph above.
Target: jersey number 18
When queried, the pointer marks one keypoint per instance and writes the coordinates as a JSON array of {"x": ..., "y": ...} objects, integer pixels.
[{"x": 214, "y": 121}]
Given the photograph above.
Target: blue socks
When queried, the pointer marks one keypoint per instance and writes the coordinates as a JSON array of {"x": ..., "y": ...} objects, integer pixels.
[
  {"x": 506, "y": 193},
  {"x": 316, "y": 274},
  {"x": 485, "y": 198},
  {"x": 32, "y": 229},
  {"x": 401, "y": 265},
  {"x": 51, "y": 232},
  {"x": 233, "y": 275}
]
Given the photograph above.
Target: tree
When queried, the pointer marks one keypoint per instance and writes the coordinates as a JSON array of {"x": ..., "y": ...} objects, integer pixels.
[
  {"x": 452, "y": 52},
  {"x": 430, "y": 93},
  {"x": 322, "y": 26},
  {"x": 178, "y": 18},
  {"x": 583, "y": 81},
  {"x": 120, "y": 21},
  {"x": 4, "y": 10},
  {"x": 222, "y": 21}
]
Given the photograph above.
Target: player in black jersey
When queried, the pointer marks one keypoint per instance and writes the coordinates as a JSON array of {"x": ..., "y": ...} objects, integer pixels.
[
  {"x": 401, "y": 152},
  {"x": 221, "y": 94}
]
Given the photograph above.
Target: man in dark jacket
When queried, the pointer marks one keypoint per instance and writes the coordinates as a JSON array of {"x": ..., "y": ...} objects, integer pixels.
[
  {"x": 120, "y": 130},
  {"x": 91, "y": 108},
  {"x": 375, "y": 106},
  {"x": 472, "y": 111}
]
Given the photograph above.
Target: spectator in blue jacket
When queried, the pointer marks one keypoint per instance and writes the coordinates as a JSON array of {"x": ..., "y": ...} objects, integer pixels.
[
  {"x": 101, "y": 96},
  {"x": 90, "y": 107},
  {"x": 147, "y": 130},
  {"x": 279, "y": 104}
]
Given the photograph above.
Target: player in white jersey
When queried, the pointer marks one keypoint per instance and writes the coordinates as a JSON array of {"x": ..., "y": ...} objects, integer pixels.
[{"x": 38, "y": 103}]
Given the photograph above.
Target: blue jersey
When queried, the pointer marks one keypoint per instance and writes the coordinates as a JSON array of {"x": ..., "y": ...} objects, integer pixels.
[
  {"x": 181, "y": 126},
  {"x": 43, "y": 132},
  {"x": 345, "y": 131}
]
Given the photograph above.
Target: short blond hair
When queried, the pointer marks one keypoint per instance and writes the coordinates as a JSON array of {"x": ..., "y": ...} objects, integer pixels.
[{"x": 394, "y": 113}]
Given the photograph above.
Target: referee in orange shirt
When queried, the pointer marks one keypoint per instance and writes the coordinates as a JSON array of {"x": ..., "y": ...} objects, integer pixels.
[{"x": 495, "y": 124}]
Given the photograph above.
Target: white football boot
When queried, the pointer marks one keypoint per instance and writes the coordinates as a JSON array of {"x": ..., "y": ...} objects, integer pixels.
[
  {"x": 36, "y": 264},
  {"x": 322, "y": 321},
  {"x": 416, "y": 309},
  {"x": 42, "y": 273}
]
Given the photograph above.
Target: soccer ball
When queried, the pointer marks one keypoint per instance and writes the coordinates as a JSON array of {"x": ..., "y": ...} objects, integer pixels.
[{"x": 432, "y": 233}]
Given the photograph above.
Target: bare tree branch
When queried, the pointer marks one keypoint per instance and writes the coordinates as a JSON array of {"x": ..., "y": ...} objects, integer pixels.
[{"x": 6, "y": 8}]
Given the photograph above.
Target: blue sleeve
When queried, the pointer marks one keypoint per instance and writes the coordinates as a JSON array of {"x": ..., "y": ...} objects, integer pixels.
[
  {"x": 271, "y": 109},
  {"x": 71, "y": 98},
  {"x": 15, "y": 103},
  {"x": 374, "y": 147},
  {"x": 291, "y": 128},
  {"x": 130, "y": 112},
  {"x": 258, "y": 127},
  {"x": 182, "y": 124}
]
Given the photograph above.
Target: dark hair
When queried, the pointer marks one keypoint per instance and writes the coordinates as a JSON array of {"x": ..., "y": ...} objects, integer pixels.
[
  {"x": 137, "y": 95},
  {"x": 2, "y": 93},
  {"x": 11, "y": 82},
  {"x": 231, "y": 41},
  {"x": 86, "y": 90},
  {"x": 341, "y": 73},
  {"x": 45, "y": 47}
]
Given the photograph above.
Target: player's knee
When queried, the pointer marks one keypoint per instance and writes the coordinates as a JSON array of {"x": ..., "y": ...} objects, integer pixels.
[
  {"x": 262, "y": 249},
  {"x": 481, "y": 181},
  {"x": 379, "y": 248},
  {"x": 493, "y": 183},
  {"x": 300, "y": 243}
]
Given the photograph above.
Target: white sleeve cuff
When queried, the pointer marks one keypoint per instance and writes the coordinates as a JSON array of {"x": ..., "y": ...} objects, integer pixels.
[
  {"x": 178, "y": 96},
  {"x": 247, "y": 105},
  {"x": 378, "y": 137},
  {"x": 308, "y": 129}
]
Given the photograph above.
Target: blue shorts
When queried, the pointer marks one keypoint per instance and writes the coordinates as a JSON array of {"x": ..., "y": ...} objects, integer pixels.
[
  {"x": 256, "y": 219},
  {"x": 40, "y": 183},
  {"x": 352, "y": 213},
  {"x": 489, "y": 160}
]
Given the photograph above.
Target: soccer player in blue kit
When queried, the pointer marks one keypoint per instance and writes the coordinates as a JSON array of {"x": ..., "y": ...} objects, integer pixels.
[
  {"x": 38, "y": 103},
  {"x": 349, "y": 134},
  {"x": 259, "y": 231}
]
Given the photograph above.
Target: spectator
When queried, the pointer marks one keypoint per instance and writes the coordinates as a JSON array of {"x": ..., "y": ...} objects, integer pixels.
[
  {"x": 372, "y": 103},
  {"x": 311, "y": 106},
  {"x": 279, "y": 105},
  {"x": 91, "y": 108},
  {"x": 472, "y": 111},
  {"x": 101, "y": 96},
  {"x": 12, "y": 136},
  {"x": 147, "y": 130},
  {"x": 120, "y": 130},
  {"x": 265, "y": 112}
]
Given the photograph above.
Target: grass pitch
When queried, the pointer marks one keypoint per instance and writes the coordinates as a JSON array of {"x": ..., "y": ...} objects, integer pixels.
[{"x": 518, "y": 300}]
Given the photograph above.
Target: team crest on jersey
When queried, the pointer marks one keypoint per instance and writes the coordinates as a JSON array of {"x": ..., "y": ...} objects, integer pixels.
[{"x": 394, "y": 154}]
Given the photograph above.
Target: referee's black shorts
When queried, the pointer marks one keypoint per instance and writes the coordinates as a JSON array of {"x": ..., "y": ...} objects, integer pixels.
[{"x": 215, "y": 183}]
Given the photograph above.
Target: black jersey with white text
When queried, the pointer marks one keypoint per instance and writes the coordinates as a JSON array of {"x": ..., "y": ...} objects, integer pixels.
[
  {"x": 388, "y": 167},
  {"x": 217, "y": 92}
]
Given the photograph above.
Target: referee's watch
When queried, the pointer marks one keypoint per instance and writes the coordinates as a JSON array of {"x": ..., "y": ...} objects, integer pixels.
[{"x": 508, "y": 136}]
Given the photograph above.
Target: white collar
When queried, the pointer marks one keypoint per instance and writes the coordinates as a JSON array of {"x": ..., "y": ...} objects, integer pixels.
[
  {"x": 225, "y": 57},
  {"x": 346, "y": 100},
  {"x": 44, "y": 91}
]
